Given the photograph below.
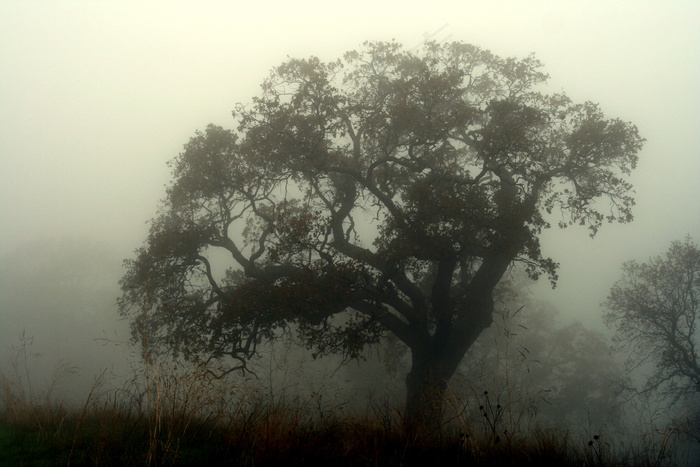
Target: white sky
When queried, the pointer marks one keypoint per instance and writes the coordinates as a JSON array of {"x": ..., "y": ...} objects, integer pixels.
[{"x": 96, "y": 96}]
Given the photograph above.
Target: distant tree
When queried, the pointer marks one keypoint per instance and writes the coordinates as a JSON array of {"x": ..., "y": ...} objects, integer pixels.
[
  {"x": 535, "y": 366},
  {"x": 60, "y": 291},
  {"x": 385, "y": 192},
  {"x": 655, "y": 308}
]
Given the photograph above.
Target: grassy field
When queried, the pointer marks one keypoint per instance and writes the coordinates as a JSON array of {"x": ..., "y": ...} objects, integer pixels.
[
  {"x": 180, "y": 415},
  {"x": 178, "y": 425},
  {"x": 279, "y": 435}
]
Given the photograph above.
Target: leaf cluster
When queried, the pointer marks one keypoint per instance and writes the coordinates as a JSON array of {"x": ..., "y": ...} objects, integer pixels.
[{"x": 387, "y": 191}]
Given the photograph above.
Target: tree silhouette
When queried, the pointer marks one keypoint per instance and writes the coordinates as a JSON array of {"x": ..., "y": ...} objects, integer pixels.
[
  {"x": 385, "y": 192},
  {"x": 655, "y": 308}
]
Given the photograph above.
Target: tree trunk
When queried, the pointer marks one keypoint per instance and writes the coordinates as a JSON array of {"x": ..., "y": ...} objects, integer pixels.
[
  {"x": 435, "y": 361},
  {"x": 426, "y": 386}
]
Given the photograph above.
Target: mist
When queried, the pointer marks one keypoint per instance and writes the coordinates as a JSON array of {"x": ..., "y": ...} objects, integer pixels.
[{"x": 97, "y": 97}]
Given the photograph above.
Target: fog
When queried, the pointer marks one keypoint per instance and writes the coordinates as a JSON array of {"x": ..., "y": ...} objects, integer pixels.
[{"x": 96, "y": 97}]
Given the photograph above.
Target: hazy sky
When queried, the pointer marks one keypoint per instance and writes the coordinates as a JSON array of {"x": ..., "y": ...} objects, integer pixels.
[{"x": 96, "y": 96}]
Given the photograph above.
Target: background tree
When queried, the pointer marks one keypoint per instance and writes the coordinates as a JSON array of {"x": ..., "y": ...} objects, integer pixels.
[
  {"x": 71, "y": 308},
  {"x": 655, "y": 309},
  {"x": 385, "y": 192},
  {"x": 539, "y": 369}
]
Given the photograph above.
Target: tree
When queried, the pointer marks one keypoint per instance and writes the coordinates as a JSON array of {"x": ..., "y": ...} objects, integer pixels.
[
  {"x": 533, "y": 364},
  {"x": 385, "y": 192},
  {"x": 655, "y": 309},
  {"x": 72, "y": 308}
]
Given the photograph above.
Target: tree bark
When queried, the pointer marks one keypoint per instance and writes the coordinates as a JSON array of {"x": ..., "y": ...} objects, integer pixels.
[
  {"x": 426, "y": 386},
  {"x": 434, "y": 362}
]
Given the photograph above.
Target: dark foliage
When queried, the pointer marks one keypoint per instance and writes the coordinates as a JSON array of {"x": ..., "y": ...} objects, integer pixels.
[{"x": 385, "y": 192}]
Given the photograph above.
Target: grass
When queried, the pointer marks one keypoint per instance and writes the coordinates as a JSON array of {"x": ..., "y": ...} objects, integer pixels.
[
  {"x": 277, "y": 436},
  {"x": 175, "y": 415},
  {"x": 260, "y": 432}
]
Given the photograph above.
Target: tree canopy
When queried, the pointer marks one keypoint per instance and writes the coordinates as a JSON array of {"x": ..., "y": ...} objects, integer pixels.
[{"x": 384, "y": 192}]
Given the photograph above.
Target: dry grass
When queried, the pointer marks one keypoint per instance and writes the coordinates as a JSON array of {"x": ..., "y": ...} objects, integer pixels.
[{"x": 172, "y": 414}]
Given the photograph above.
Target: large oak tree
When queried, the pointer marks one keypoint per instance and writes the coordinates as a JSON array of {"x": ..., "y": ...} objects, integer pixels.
[{"x": 385, "y": 192}]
